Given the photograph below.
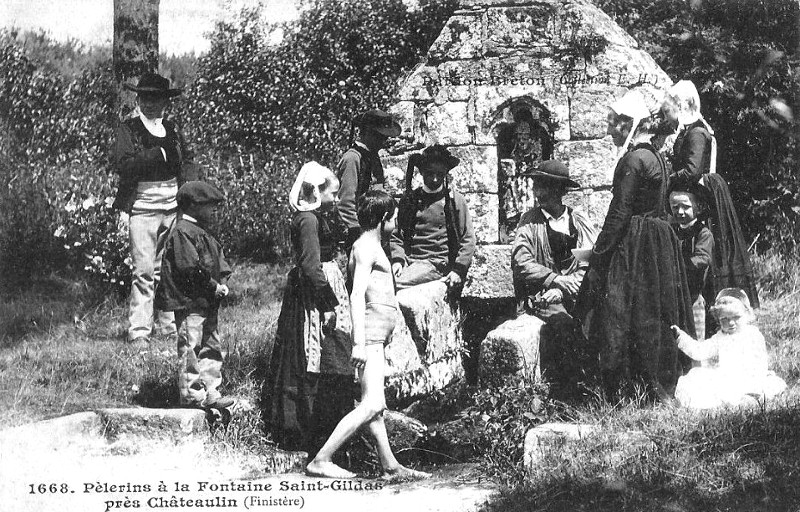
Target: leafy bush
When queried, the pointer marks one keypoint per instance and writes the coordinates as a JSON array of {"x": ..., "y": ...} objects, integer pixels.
[
  {"x": 254, "y": 220},
  {"x": 338, "y": 59},
  {"x": 504, "y": 414},
  {"x": 55, "y": 186}
]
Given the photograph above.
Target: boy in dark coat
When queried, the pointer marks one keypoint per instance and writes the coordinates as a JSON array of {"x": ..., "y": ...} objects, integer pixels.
[{"x": 192, "y": 275}]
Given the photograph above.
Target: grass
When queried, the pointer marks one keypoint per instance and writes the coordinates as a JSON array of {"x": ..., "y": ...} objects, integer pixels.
[
  {"x": 735, "y": 459},
  {"x": 61, "y": 352}
]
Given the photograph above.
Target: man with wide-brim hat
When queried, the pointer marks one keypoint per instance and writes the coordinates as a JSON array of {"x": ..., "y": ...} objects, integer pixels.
[
  {"x": 545, "y": 268},
  {"x": 547, "y": 260},
  {"x": 153, "y": 84},
  {"x": 360, "y": 167},
  {"x": 153, "y": 160},
  {"x": 435, "y": 239}
]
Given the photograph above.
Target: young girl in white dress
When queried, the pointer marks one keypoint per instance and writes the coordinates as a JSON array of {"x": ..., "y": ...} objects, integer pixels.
[{"x": 735, "y": 359}]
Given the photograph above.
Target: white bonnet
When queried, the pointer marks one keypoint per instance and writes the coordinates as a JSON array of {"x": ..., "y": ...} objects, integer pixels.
[
  {"x": 686, "y": 99},
  {"x": 313, "y": 174}
]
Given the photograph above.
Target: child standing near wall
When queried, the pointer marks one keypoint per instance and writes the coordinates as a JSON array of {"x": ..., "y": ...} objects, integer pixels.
[
  {"x": 689, "y": 205},
  {"x": 192, "y": 275},
  {"x": 373, "y": 310}
]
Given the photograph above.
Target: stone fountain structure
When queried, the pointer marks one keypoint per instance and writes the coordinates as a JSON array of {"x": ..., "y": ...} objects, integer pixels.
[{"x": 506, "y": 85}]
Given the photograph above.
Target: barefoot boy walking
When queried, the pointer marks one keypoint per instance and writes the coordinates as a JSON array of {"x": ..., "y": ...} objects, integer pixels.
[{"x": 373, "y": 307}]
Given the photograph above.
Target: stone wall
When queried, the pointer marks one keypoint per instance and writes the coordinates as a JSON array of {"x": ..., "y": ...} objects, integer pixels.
[{"x": 564, "y": 56}]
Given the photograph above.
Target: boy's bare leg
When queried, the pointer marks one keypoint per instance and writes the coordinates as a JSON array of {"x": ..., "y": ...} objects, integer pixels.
[
  {"x": 391, "y": 467},
  {"x": 372, "y": 404},
  {"x": 374, "y": 379}
]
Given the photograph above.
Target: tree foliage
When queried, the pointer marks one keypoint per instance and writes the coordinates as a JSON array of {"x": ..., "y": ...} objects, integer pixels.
[
  {"x": 743, "y": 57},
  {"x": 337, "y": 59}
]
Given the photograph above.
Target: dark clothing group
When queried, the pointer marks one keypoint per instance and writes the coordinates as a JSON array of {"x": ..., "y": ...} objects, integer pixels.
[{"x": 645, "y": 275}]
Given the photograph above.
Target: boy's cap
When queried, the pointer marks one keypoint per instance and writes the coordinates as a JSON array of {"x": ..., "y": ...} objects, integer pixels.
[
  {"x": 198, "y": 192},
  {"x": 379, "y": 121}
]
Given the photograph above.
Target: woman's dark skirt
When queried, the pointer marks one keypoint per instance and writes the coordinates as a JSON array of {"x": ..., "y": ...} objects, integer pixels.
[
  {"x": 731, "y": 266},
  {"x": 626, "y": 310},
  {"x": 301, "y": 408}
]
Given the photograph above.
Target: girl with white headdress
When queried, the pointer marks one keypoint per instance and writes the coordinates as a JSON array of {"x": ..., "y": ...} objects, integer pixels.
[
  {"x": 738, "y": 355},
  {"x": 312, "y": 342},
  {"x": 694, "y": 161},
  {"x": 636, "y": 285}
]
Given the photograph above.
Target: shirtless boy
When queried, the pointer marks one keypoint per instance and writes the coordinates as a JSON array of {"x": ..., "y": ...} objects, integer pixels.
[{"x": 372, "y": 307}]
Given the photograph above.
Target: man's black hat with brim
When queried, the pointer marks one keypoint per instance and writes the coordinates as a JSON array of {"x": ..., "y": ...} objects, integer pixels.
[
  {"x": 554, "y": 171},
  {"x": 378, "y": 121},
  {"x": 436, "y": 154},
  {"x": 153, "y": 84}
]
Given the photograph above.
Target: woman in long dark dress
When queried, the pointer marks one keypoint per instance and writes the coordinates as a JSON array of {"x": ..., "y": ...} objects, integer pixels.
[
  {"x": 636, "y": 284},
  {"x": 694, "y": 161},
  {"x": 310, "y": 372}
]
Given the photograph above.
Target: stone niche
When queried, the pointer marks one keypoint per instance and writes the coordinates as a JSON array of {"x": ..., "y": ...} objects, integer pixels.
[{"x": 507, "y": 84}]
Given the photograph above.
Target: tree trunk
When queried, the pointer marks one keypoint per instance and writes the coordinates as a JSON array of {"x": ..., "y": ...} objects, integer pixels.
[{"x": 135, "y": 46}]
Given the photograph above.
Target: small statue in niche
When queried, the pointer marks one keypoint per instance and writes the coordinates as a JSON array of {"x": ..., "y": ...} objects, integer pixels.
[
  {"x": 527, "y": 151},
  {"x": 531, "y": 145}
]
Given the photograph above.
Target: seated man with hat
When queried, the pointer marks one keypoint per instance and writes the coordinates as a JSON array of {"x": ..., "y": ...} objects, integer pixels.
[
  {"x": 360, "y": 167},
  {"x": 547, "y": 274},
  {"x": 153, "y": 160},
  {"x": 434, "y": 239}
]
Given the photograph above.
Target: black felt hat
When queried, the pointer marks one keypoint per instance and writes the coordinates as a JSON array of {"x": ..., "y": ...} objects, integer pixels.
[
  {"x": 436, "y": 154},
  {"x": 198, "y": 192},
  {"x": 379, "y": 121},
  {"x": 554, "y": 171},
  {"x": 153, "y": 84}
]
